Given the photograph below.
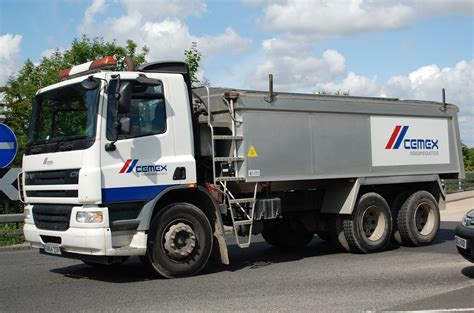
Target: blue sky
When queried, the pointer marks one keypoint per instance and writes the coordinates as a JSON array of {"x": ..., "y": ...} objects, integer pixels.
[{"x": 403, "y": 49}]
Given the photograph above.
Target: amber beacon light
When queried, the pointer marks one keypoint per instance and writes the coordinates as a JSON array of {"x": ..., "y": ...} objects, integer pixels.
[{"x": 92, "y": 66}]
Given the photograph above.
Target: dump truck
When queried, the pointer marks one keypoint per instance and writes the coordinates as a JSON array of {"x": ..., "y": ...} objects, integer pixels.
[{"x": 139, "y": 163}]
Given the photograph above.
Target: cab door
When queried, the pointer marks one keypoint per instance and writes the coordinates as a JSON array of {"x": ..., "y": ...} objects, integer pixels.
[{"x": 143, "y": 161}]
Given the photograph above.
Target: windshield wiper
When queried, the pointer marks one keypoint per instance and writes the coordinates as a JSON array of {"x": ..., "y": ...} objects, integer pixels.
[{"x": 61, "y": 140}]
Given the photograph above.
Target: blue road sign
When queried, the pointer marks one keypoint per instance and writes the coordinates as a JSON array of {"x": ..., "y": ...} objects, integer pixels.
[{"x": 8, "y": 145}]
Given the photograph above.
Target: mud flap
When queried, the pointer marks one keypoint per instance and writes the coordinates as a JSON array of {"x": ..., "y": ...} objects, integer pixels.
[{"x": 219, "y": 253}]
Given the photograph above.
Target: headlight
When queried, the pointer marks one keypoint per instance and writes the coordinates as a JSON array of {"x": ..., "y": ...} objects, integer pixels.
[
  {"x": 27, "y": 214},
  {"x": 468, "y": 219},
  {"x": 89, "y": 217}
]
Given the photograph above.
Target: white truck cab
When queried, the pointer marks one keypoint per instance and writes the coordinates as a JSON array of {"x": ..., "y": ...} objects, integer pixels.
[{"x": 88, "y": 174}]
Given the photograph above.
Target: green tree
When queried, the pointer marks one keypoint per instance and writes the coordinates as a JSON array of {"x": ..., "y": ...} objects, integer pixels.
[
  {"x": 468, "y": 156},
  {"x": 193, "y": 57},
  {"x": 22, "y": 87}
]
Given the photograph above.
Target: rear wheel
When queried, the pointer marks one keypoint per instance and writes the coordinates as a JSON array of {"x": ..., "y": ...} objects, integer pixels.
[
  {"x": 369, "y": 227},
  {"x": 287, "y": 234},
  {"x": 180, "y": 241},
  {"x": 418, "y": 219}
]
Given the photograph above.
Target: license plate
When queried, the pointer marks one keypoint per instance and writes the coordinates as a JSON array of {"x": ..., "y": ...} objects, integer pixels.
[
  {"x": 460, "y": 242},
  {"x": 52, "y": 248}
]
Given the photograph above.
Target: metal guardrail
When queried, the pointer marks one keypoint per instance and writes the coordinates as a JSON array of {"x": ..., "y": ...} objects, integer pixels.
[
  {"x": 458, "y": 185},
  {"x": 11, "y": 218}
]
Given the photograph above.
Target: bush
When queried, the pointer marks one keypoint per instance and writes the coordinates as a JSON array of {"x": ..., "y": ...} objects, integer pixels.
[{"x": 9, "y": 234}]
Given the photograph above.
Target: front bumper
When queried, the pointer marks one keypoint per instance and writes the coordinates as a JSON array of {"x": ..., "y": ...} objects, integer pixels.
[
  {"x": 466, "y": 233},
  {"x": 86, "y": 239}
]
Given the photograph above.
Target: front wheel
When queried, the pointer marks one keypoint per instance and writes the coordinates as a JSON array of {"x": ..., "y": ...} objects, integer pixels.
[
  {"x": 180, "y": 241},
  {"x": 369, "y": 228}
]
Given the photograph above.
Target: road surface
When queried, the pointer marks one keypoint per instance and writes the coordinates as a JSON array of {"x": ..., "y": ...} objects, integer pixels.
[{"x": 261, "y": 278}]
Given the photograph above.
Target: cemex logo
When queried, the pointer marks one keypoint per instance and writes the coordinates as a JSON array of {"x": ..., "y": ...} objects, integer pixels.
[
  {"x": 398, "y": 139},
  {"x": 47, "y": 162},
  {"x": 131, "y": 166}
]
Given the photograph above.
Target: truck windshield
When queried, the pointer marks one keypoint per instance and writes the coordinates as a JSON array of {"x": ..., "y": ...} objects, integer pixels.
[{"x": 64, "y": 114}]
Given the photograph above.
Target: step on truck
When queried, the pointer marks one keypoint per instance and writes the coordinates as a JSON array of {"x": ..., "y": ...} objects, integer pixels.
[{"x": 139, "y": 163}]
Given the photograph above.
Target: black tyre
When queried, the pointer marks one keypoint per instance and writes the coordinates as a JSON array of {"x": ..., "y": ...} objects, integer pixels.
[
  {"x": 336, "y": 233},
  {"x": 418, "y": 219},
  {"x": 287, "y": 234},
  {"x": 179, "y": 242},
  {"x": 369, "y": 227},
  {"x": 395, "y": 208}
]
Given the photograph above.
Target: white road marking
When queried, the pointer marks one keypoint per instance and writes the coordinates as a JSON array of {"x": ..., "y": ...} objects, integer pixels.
[
  {"x": 445, "y": 310},
  {"x": 7, "y": 145}
]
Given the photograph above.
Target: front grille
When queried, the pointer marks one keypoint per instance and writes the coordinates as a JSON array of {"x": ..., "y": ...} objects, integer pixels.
[
  {"x": 61, "y": 177},
  {"x": 52, "y": 217},
  {"x": 52, "y": 193}
]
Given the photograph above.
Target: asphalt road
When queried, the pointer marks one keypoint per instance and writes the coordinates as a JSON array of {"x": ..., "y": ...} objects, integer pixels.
[{"x": 261, "y": 278}]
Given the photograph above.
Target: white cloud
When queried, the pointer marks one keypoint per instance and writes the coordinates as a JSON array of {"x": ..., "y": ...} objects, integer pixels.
[
  {"x": 167, "y": 37},
  {"x": 97, "y": 6},
  {"x": 296, "y": 72},
  {"x": 353, "y": 84},
  {"x": 229, "y": 40},
  {"x": 9, "y": 56},
  {"x": 322, "y": 18}
]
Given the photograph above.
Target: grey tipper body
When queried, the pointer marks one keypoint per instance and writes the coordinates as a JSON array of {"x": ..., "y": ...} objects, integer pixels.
[{"x": 305, "y": 137}]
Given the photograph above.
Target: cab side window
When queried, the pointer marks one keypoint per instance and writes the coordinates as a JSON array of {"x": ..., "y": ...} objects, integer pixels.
[{"x": 147, "y": 112}]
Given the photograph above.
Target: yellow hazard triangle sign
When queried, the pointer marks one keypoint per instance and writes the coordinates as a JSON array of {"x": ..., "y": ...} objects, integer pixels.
[{"x": 252, "y": 152}]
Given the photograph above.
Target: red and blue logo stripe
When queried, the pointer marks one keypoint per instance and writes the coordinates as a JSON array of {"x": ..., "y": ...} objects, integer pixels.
[
  {"x": 397, "y": 137},
  {"x": 129, "y": 166}
]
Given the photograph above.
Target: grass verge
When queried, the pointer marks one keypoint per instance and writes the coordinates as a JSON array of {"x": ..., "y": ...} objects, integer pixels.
[{"x": 9, "y": 234}]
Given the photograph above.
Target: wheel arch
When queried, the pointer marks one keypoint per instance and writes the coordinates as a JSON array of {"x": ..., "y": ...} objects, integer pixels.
[{"x": 199, "y": 197}]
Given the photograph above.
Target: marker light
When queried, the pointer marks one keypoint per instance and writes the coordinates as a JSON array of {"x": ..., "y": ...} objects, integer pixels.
[
  {"x": 104, "y": 63},
  {"x": 89, "y": 217}
]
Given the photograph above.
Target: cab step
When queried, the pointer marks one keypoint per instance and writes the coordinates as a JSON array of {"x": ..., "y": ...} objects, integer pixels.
[
  {"x": 228, "y": 159},
  {"x": 228, "y": 137},
  {"x": 230, "y": 179}
]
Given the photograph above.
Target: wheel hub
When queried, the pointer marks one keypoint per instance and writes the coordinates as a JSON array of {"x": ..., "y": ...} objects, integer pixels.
[
  {"x": 373, "y": 223},
  {"x": 424, "y": 219},
  {"x": 179, "y": 241}
]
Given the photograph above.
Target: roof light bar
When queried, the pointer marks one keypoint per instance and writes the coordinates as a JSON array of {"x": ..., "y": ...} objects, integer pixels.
[{"x": 92, "y": 66}]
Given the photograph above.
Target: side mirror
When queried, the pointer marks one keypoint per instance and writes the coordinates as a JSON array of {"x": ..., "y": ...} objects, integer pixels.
[
  {"x": 124, "y": 125},
  {"x": 124, "y": 97},
  {"x": 90, "y": 83}
]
